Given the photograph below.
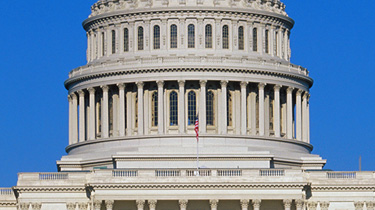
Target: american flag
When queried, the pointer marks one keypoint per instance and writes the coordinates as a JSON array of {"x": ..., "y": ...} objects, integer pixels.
[{"x": 197, "y": 128}]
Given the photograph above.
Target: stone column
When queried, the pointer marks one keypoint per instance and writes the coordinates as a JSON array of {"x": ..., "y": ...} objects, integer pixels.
[
  {"x": 276, "y": 110},
  {"x": 287, "y": 204},
  {"x": 289, "y": 113},
  {"x": 181, "y": 106},
  {"x": 253, "y": 108},
  {"x": 97, "y": 204},
  {"x": 152, "y": 204},
  {"x": 243, "y": 108},
  {"x": 358, "y": 205},
  {"x": 261, "y": 108},
  {"x": 74, "y": 118},
  {"x": 286, "y": 44},
  {"x": 140, "y": 203},
  {"x": 324, "y": 205},
  {"x": 37, "y": 206},
  {"x": 298, "y": 115},
  {"x": 244, "y": 204},
  {"x": 91, "y": 123},
  {"x": 304, "y": 117},
  {"x": 223, "y": 112},
  {"x": 213, "y": 204},
  {"x": 256, "y": 204},
  {"x": 202, "y": 107},
  {"x": 70, "y": 101},
  {"x": 82, "y": 123},
  {"x": 299, "y": 204},
  {"x": 109, "y": 204},
  {"x": 183, "y": 204},
  {"x": 140, "y": 107},
  {"x": 129, "y": 110},
  {"x": 88, "y": 51},
  {"x": 312, "y": 205},
  {"x": 308, "y": 118},
  {"x": 121, "y": 89},
  {"x": 160, "y": 107},
  {"x": 105, "y": 124}
]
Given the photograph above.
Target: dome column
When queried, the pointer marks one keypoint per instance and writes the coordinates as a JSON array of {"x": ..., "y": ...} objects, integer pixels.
[
  {"x": 223, "y": 111},
  {"x": 140, "y": 107},
  {"x": 261, "y": 108},
  {"x": 70, "y": 119},
  {"x": 304, "y": 117},
  {"x": 91, "y": 127},
  {"x": 253, "y": 111},
  {"x": 276, "y": 110},
  {"x": 308, "y": 118},
  {"x": 105, "y": 130},
  {"x": 74, "y": 118},
  {"x": 298, "y": 115},
  {"x": 243, "y": 108},
  {"x": 289, "y": 113},
  {"x": 181, "y": 106},
  {"x": 82, "y": 123},
  {"x": 121, "y": 89},
  {"x": 202, "y": 107},
  {"x": 160, "y": 107},
  {"x": 129, "y": 121}
]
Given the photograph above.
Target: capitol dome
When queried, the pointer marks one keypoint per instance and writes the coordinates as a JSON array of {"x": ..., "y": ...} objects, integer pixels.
[{"x": 153, "y": 66}]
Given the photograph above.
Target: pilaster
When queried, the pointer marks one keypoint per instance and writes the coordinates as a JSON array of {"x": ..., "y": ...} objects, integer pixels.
[
  {"x": 121, "y": 89},
  {"x": 298, "y": 115},
  {"x": 276, "y": 110},
  {"x": 160, "y": 107},
  {"x": 202, "y": 107},
  {"x": 82, "y": 123},
  {"x": 105, "y": 111},
  {"x": 243, "y": 108},
  {"x": 91, "y": 123},
  {"x": 261, "y": 108},
  {"x": 181, "y": 106},
  {"x": 289, "y": 118},
  {"x": 223, "y": 111},
  {"x": 109, "y": 204},
  {"x": 140, "y": 107}
]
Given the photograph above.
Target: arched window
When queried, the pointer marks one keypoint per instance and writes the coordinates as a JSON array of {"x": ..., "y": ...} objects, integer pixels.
[
  {"x": 191, "y": 36},
  {"x": 267, "y": 44},
  {"x": 113, "y": 41},
  {"x": 208, "y": 35},
  {"x": 192, "y": 108},
  {"x": 210, "y": 116},
  {"x": 229, "y": 109},
  {"x": 156, "y": 37},
  {"x": 173, "y": 36},
  {"x": 225, "y": 37},
  {"x": 240, "y": 38},
  {"x": 126, "y": 40},
  {"x": 140, "y": 38},
  {"x": 154, "y": 109},
  {"x": 255, "y": 39},
  {"x": 173, "y": 108}
]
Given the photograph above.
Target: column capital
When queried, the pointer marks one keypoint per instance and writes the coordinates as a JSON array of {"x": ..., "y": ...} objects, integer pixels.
[
  {"x": 81, "y": 93},
  {"x": 214, "y": 203},
  {"x": 312, "y": 205},
  {"x": 324, "y": 205},
  {"x": 299, "y": 203},
  {"x": 152, "y": 203},
  {"x": 160, "y": 83},
  {"x": 299, "y": 92},
  {"x": 181, "y": 83},
  {"x": 244, "y": 203},
  {"x": 109, "y": 204},
  {"x": 287, "y": 203},
  {"x": 69, "y": 98},
  {"x": 91, "y": 90},
  {"x": 82, "y": 206},
  {"x": 289, "y": 89},
  {"x": 183, "y": 204},
  {"x": 370, "y": 205},
  {"x": 105, "y": 88},
  {"x": 97, "y": 204},
  {"x": 243, "y": 84},
  {"x": 358, "y": 205},
  {"x": 140, "y": 203},
  {"x": 307, "y": 95},
  {"x": 261, "y": 85},
  {"x": 70, "y": 206},
  {"x": 224, "y": 83},
  {"x": 139, "y": 84},
  {"x": 256, "y": 203},
  {"x": 24, "y": 206},
  {"x": 203, "y": 83},
  {"x": 37, "y": 206},
  {"x": 277, "y": 87},
  {"x": 121, "y": 86},
  {"x": 73, "y": 96}
]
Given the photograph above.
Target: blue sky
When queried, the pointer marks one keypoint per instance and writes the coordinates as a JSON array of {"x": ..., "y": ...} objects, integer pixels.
[{"x": 42, "y": 40}]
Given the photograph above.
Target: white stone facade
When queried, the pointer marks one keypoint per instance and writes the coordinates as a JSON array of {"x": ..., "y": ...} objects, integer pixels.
[{"x": 154, "y": 66}]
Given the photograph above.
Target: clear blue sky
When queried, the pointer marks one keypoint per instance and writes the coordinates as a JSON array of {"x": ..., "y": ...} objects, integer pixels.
[{"x": 42, "y": 40}]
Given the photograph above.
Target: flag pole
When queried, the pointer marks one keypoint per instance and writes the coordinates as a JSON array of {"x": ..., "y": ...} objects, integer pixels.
[
  {"x": 197, "y": 156},
  {"x": 197, "y": 136}
]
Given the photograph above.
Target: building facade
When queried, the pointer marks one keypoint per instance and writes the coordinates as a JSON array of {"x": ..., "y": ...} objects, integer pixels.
[{"x": 154, "y": 68}]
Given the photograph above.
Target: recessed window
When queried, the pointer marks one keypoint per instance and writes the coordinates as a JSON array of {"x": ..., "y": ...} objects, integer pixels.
[
  {"x": 210, "y": 108},
  {"x": 156, "y": 37},
  {"x": 192, "y": 107},
  {"x": 140, "y": 38},
  {"x": 208, "y": 35},
  {"x": 255, "y": 39},
  {"x": 173, "y": 36},
  {"x": 240, "y": 38},
  {"x": 267, "y": 42},
  {"x": 191, "y": 36},
  {"x": 173, "y": 108},
  {"x": 126, "y": 40},
  {"x": 225, "y": 37},
  {"x": 154, "y": 109},
  {"x": 113, "y": 41}
]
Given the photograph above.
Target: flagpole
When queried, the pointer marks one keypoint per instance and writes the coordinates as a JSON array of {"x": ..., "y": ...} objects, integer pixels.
[{"x": 197, "y": 156}]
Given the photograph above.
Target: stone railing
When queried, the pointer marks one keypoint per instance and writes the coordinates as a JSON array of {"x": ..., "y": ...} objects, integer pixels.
[
  {"x": 113, "y": 65},
  {"x": 200, "y": 172},
  {"x": 229, "y": 172},
  {"x": 272, "y": 172},
  {"x": 167, "y": 172},
  {"x": 53, "y": 176},
  {"x": 341, "y": 175},
  {"x": 124, "y": 173},
  {"x": 6, "y": 191}
]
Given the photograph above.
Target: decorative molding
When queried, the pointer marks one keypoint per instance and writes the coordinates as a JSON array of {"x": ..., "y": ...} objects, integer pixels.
[
  {"x": 214, "y": 203},
  {"x": 244, "y": 203},
  {"x": 152, "y": 204},
  {"x": 359, "y": 205},
  {"x": 109, "y": 204},
  {"x": 71, "y": 206},
  {"x": 324, "y": 205},
  {"x": 256, "y": 203},
  {"x": 287, "y": 203}
]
